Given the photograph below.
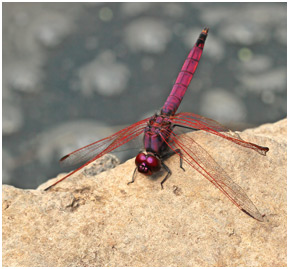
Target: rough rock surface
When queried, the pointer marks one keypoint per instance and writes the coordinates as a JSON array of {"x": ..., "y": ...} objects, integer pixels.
[{"x": 99, "y": 220}]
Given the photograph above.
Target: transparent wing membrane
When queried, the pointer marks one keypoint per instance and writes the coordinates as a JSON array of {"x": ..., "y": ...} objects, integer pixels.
[
  {"x": 194, "y": 121},
  {"x": 198, "y": 158}
]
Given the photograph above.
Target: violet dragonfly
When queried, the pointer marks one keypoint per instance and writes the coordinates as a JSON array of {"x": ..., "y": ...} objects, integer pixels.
[{"x": 161, "y": 140}]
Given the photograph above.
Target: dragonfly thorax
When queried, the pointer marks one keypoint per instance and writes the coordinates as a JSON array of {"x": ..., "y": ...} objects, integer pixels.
[
  {"x": 147, "y": 163},
  {"x": 156, "y": 134}
]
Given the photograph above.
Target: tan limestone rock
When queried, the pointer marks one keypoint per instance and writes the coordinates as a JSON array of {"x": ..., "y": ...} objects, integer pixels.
[{"x": 90, "y": 220}]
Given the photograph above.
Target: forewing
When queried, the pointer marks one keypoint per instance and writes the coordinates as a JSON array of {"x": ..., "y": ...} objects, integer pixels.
[
  {"x": 105, "y": 145},
  {"x": 101, "y": 147},
  {"x": 199, "y": 159},
  {"x": 194, "y": 121}
]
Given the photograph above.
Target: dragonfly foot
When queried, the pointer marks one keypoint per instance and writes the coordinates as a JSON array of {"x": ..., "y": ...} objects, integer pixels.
[
  {"x": 133, "y": 176},
  {"x": 130, "y": 182}
]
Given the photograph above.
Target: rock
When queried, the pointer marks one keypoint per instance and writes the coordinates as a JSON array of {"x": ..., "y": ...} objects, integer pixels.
[{"x": 89, "y": 220}]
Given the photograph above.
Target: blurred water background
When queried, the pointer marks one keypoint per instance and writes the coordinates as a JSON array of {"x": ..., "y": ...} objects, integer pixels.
[{"x": 76, "y": 72}]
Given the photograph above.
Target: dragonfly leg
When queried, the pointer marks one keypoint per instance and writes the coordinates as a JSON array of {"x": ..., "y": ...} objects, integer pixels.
[
  {"x": 178, "y": 151},
  {"x": 181, "y": 158},
  {"x": 167, "y": 176},
  {"x": 133, "y": 177}
]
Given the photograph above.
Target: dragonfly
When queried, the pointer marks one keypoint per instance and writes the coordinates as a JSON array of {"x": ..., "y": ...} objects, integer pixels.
[{"x": 161, "y": 140}]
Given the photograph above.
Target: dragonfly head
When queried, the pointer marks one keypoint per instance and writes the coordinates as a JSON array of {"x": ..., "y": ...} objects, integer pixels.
[{"x": 147, "y": 163}]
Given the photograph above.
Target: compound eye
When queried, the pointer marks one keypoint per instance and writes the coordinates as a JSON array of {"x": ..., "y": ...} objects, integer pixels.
[
  {"x": 140, "y": 158},
  {"x": 153, "y": 163},
  {"x": 147, "y": 164},
  {"x": 141, "y": 163}
]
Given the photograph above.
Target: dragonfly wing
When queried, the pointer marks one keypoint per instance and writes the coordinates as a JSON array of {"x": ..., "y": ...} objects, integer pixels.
[
  {"x": 105, "y": 145},
  {"x": 101, "y": 147},
  {"x": 194, "y": 121},
  {"x": 199, "y": 159}
]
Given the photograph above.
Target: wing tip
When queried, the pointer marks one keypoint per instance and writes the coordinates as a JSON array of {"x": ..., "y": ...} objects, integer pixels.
[
  {"x": 265, "y": 150},
  {"x": 64, "y": 157},
  {"x": 256, "y": 216},
  {"x": 48, "y": 188}
]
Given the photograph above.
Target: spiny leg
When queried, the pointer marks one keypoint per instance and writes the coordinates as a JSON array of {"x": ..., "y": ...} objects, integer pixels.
[
  {"x": 168, "y": 174},
  {"x": 133, "y": 177},
  {"x": 169, "y": 154},
  {"x": 178, "y": 151},
  {"x": 181, "y": 158}
]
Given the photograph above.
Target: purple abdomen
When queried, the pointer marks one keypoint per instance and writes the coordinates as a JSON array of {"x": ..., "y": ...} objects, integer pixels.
[{"x": 185, "y": 76}]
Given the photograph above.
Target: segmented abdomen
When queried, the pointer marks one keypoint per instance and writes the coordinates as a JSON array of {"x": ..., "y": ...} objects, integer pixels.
[{"x": 185, "y": 76}]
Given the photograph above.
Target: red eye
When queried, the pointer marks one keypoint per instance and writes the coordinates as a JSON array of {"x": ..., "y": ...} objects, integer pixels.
[
  {"x": 147, "y": 164},
  {"x": 153, "y": 163},
  {"x": 141, "y": 157}
]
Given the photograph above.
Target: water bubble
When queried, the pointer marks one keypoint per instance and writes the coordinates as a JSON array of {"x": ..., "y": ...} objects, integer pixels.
[
  {"x": 105, "y": 14},
  {"x": 245, "y": 54}
]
